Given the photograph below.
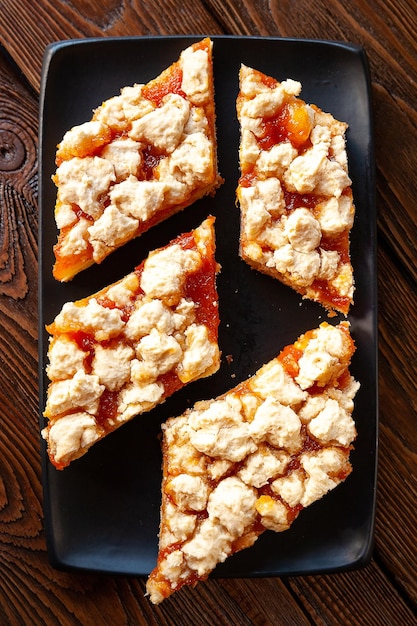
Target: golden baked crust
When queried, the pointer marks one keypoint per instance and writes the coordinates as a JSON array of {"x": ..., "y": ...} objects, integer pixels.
[
  {"x": 145, "y": 155},
  {"x": 253, "y": 458},
  {"x": 294, "y": 191},
  {"x": 126, "y": 348}
]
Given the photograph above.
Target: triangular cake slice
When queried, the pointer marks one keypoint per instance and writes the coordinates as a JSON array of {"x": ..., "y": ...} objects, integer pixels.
[
  {"x": 125, "y": 349},
  {"x": 145, "y": 155},
  {"x": 294, "y": 192},
  {"x": 255, "y": 457}
]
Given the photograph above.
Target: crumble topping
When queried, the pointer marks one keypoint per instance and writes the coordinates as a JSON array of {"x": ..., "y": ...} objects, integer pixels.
[
  {"x": 294, "y": 192},
  {"x": 123, "y": 350},
  {"x": 253, "y": 458},
  {"x": 146, "y": 153}
]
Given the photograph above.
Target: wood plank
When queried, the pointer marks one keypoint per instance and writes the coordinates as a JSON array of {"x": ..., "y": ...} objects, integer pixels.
[
  {"x": 54, "y": 21},
  {"x": 21, "y": 515},
  {"x": 265, "y": 600},
  {"x": 397, "y": 323},
  {"x": 364, "y": 597},
  {"x": 228, "y": 602},
  {"x": 397, "y": 487},
  {"x": 20, "y": 492}
]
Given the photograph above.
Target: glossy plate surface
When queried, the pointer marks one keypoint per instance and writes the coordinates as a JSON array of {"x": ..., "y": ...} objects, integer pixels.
[{"x": 102, "y": 512}]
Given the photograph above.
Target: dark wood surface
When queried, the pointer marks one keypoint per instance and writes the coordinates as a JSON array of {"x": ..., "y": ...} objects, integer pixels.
[{"x": 384, "y": 592}]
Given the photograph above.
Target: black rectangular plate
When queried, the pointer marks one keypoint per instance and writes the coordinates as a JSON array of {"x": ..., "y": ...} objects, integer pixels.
[{"x": 102, "y": 512}]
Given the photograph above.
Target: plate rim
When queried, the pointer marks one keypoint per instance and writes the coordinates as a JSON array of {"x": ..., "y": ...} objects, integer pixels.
[{"x": 50, "y": 54}]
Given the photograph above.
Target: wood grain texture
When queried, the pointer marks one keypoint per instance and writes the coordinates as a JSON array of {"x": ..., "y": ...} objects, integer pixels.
[
  {"x": 397, "y": 498},
  {"x": 21, "y": 528},
  {"x": 235, "y": 602},
  {"x": 385, "y": 592},
  {"x": 368, "y": 598},
  {"x": 72, "y": 19}
]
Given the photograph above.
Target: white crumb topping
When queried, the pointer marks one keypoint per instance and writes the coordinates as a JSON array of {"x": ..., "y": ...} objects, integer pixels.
[
  {"x": 94, "y": 131},
  {"x": 64, "y": 215},
  {"x": 263, "y": 464},
  {"x": 303, "y": 172},
  {"x": 75, "y": 240},
  {"x": 137, "y": 397},
  {"x": 65, "y": 358},
  {"x": 329, "y": 264},
  {"x": 83, "y": 181},
  {"x": 218, "y": 468},
  {"x": 163, "y": 127},
  {"x": 124, "y": 291},
  {"x": 200, "y": 353},
  {"x": 125, "y": 156},
  {"x": 112, "y": 365},
  {"x": 219, "y": 432},
  {"x": 130, "y": 104},
  {"x": 183, "y": 455},
  {"x": 250, "y": 84},
  {"x": 165, "y": 271},
  {"x": 302, "y": 266},
  {"x": 322, "y": 359},
  {"x": 273, "y": 382},
  {"x": 153, "y": 314},
  {"x": 335, "y": 215},
  {"x": 133, "y": 103},
  {"x": 267, "y": 103},
  {"x": 333, "y": 424},
  {"x": 180, "y": 524},
  {"x": 184, "y": 314},
  {"x": 259, "y": 203},
  {"x": 277, "y": 424},
  {"x": 70, "y": 434},
  {"x": 197, "y": 122},
  {"x": 290, "y": 488},
  {"x": 195, "y": 74},
  {"x": 275, "y": 161},
  {"x": 188, "y": 492},
  {"x": 162, "y": 352},
  {"x": 81, "y": 391},
  {"x": 232, "y": 504},
  {"x": 274, "y": 514},
  {"x": 101, "y": 321},
  {"x": 343, "y": 281},
  {"x": 249, "y": 150},
  {"x": 172, "y": 565},
  {"x": 138, "y": 199},
  {"x": 111, "y": 230},
  {"x": 303, "y": 230},
  {"x": 321, "y": 468},
  {"x": 211, "y": 545},
  {"x": 191, "y": 162}
]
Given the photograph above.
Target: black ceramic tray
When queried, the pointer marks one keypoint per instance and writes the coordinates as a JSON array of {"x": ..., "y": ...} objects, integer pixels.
[{"x": 102, "y": 512}]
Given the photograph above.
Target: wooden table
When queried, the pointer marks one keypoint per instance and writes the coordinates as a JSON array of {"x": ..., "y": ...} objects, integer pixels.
[{"x": 384, "y": 592}]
